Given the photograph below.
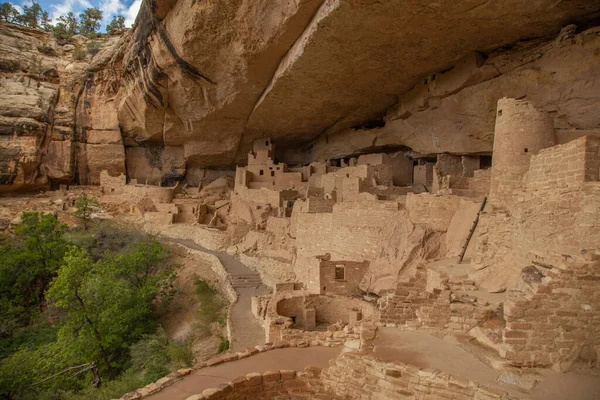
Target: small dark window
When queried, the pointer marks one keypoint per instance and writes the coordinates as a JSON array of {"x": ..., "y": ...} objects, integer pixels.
[
  {"x": 340, "y": 273},
  {"x": 347, "y": 175},
  {"x": 526, "y": 150},
  {"x": 324, "y": 288},
  {"x": 499, "y": 112},
  {"x": 262, "y": 172},
  {"x": 272, "y": 173},
  {"x": 267, "y": 143}
]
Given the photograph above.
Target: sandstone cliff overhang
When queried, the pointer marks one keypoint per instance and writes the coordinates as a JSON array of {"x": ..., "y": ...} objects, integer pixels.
[{"x": 212, "y": 78}]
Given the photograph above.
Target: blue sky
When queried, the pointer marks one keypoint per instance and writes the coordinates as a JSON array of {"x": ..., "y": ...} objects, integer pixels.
[{"x": 110, "y": 8}]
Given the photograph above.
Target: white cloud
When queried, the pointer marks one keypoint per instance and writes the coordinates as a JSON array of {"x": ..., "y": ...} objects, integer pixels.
[
  {"x": 67, "y": 6},
  {"x": 18, "y": 7},
  {"x": 132, "y": 12},
  {"x": 110, "y": 8}
]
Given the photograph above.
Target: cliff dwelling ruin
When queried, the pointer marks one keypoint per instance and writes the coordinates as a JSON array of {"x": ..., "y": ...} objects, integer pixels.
[{"x": 410, "y": 191}]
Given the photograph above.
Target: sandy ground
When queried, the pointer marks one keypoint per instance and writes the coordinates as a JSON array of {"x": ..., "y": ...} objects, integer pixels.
[
  {"x": 290, "y": 358},
  {"x": 426, "y": 351}
]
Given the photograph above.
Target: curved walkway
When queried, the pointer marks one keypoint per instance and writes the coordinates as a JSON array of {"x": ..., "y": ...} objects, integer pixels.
[
  {"x": 210, "y": 377},
  {"x": 245, "y": 329}
]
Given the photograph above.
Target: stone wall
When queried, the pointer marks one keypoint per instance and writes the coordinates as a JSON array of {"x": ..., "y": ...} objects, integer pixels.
[
  {"x": 117, "y": 185},
  {"x": 548, "y": 222},
  {"x": 274, "y": 385},
  {"x": 358, "y": 376},
  {"x": 294, "y": 315},
  {"x": 352, "y": 232},
  {"x": 434, "y": 212},
  {"x": 352, "y": 375},
  {"x": 420, "y": 304},
  {"x": 256, "y": 382},
  {"x": 353, "y": 273},
  {"x": 521, "y": 131},
  {"x": 554, "y": 320},
  {"x": 565, "y": 165}
]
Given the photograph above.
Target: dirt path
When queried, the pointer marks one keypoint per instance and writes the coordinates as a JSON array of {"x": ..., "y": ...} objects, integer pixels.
[
  {"x": 290, "y": 358},
  {"x": 245, "y": 329}
]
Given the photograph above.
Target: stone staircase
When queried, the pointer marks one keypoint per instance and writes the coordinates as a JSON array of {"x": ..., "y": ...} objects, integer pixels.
[{"x": 248, "y": 280}]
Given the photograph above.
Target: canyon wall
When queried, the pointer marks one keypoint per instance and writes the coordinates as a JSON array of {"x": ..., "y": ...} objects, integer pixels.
[{"x": 194, "y": 83}]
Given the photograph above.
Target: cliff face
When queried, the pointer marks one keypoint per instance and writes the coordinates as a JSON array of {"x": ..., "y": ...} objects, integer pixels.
[
  {"x": 195, "y": 82},
  {"x": 46, "y": 105}
]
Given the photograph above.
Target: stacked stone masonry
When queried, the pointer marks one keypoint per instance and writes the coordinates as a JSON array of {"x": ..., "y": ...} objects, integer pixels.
[
  {"x": 564, "y": 165},
  {"x": 555, "y": 322},
  {"x": 414, "y": 306},
  {"x": 364, "y": 377}
]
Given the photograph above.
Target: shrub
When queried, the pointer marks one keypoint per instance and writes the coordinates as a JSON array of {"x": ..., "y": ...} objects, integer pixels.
[
  {"x": 79, "y": 53},
  {"x": 181, "y": 354},
  {"x": 212, "y": 307},
  {"x": 47, "y": 50},
  {"x": 93, "y": 47},
  {"x": 9, "y": 66},
  {"x": 86, "y": 206},
  {"x": 107, "y": 236},
  {"x": 223, "y": 346}
]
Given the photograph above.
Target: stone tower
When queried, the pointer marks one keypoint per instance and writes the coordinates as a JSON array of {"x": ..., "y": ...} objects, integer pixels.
[{"x": 521, "y": 131}]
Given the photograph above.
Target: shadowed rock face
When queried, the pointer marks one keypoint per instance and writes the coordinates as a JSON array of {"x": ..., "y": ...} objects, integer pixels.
[
  {"x": 298, "y": 70},
  {"x": 197, "y": 81}
]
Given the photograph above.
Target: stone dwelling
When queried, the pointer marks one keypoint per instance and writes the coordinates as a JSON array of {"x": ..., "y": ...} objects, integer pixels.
[
  {"x": 499, "y": 292},
  {"x": 347, "y": 153}
]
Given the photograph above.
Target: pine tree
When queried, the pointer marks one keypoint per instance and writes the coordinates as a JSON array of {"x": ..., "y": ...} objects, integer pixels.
[
  {"x": 45, "y": 21},
  {"x": 31, "y": 16},
  {"x": 8, "y": 13},
  {"x": 89, "y": 21},
  {"x": 66, "y": 27},
  {"x": 117, "y": 25}
]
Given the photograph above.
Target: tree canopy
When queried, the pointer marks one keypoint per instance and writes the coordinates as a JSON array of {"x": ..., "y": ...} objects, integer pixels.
[
  {"x": 89, "y": 21},
  {"x": 8, "y": 13},
  {"x": 29, "y": 262},
  {"x": 65, "y": 26},
  {"x": 104, "y": 305},
  {"x": 117, "y": 25}
]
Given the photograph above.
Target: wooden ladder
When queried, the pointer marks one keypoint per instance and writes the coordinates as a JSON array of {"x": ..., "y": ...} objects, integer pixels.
[{"x": 464, "y": 249}]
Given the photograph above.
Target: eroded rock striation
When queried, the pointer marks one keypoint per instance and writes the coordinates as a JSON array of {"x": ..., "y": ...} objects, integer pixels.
[{"x": 194, "y": 84}]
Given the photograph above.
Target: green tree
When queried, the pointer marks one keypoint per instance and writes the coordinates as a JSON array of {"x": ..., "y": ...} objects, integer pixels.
[
  {"x": 89, "y": 21},
  {"x": 31, "y": 16},
  {"x": 66, "y": 27},
  {"x": 116, "y": 26},
  {"x": 85, "y": 206},
  {"x": 8, "y": 13},
  {"x": 46, "y": 21},
  {"x": 29, "y": 262},
  {"x": 108, "y": 303}
]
